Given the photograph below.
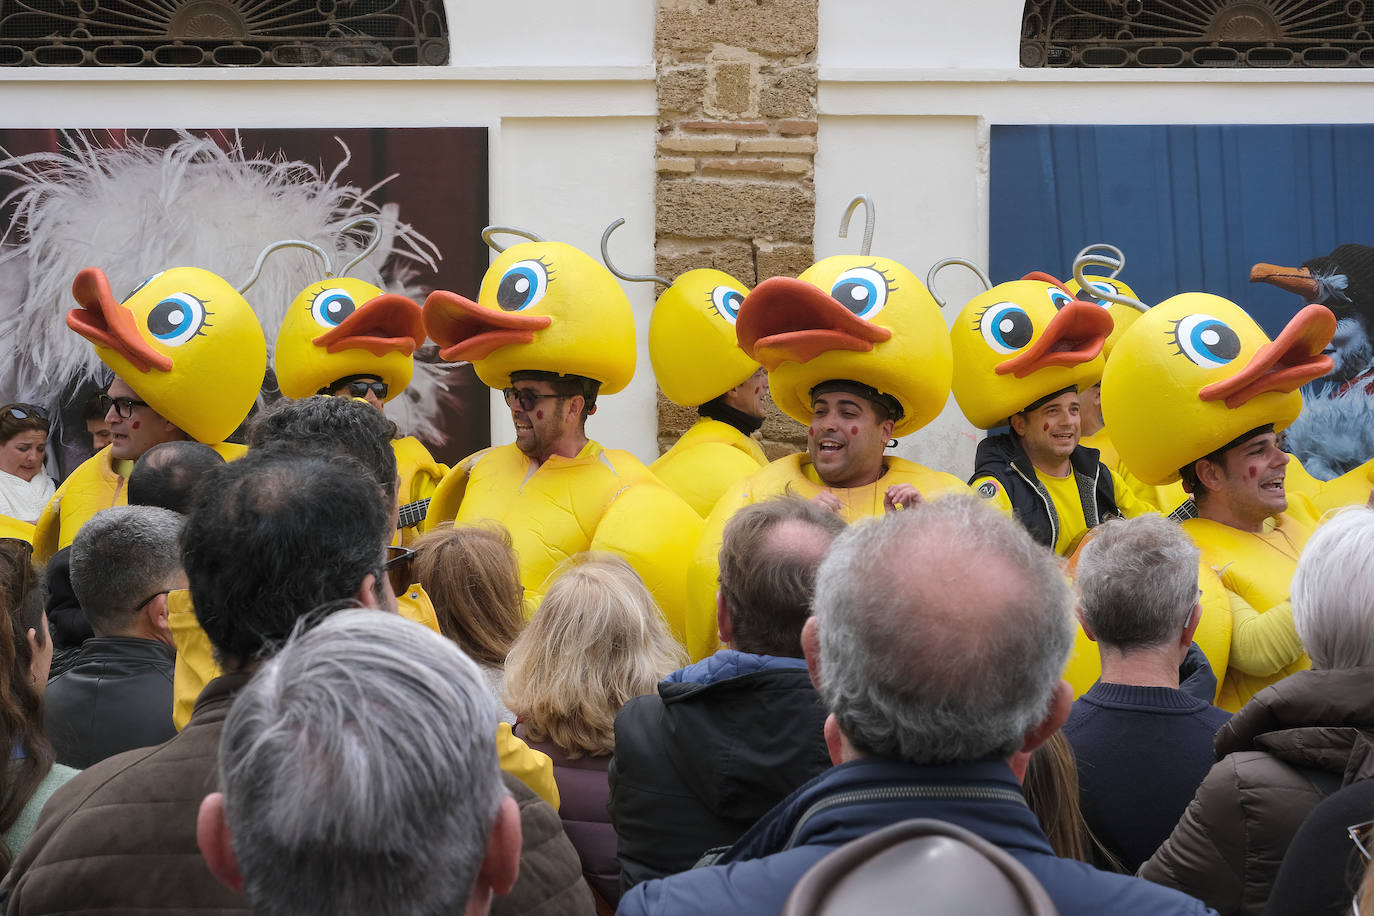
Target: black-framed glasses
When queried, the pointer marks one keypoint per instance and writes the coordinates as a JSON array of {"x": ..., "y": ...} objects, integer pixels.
[
  {"x": 122, "y": 406},
  {"x": 145, "y": 602},
  {"x": 398, "y": 566},
  {"x": 359, "y": 389},
  {"x": 27, "y": 411},
  {"x": 525, "y": 397}
]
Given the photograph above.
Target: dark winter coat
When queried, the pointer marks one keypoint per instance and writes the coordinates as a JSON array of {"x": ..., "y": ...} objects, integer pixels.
[
  {"x": 1294, "y": 743},
  {"x": 697, "y": 763}
]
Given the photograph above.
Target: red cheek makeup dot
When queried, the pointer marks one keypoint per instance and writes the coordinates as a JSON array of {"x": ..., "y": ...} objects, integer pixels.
[
  {"x": 539, "y": 414},
  {"x": 1045, "y": 428},
  {"x": 853, "y": 430},
  {"x": 136, "y": 425},
  {"x": 811, "y": 432}
]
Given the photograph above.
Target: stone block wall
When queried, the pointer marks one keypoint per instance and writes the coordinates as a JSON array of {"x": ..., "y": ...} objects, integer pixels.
[{"x": 736, "y": 154}]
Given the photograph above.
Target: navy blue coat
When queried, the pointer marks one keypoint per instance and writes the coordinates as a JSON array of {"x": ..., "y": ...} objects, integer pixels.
[{"x": 758, "y": 873}]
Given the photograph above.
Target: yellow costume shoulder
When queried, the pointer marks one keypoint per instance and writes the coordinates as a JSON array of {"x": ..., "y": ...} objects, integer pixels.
[
  {"x": 91, "y": 488},
  {"x": 792, "y": 475},
  {"x": 1256, "y": 571},
  {"x": 1163, "y": 499},
  {"x": 603, "y": 499},
  {"x": 706, "y": 461}
]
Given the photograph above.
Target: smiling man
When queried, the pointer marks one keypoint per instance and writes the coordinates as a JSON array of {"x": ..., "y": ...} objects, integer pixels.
[
  {"x": 1251, "y": 539},
  {"x": 1056, "y": 488}
]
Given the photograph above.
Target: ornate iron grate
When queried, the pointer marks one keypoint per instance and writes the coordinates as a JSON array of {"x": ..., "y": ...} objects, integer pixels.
[
  {"x": 223, "y": 33},
  {"x": 1197, "y": 33}
]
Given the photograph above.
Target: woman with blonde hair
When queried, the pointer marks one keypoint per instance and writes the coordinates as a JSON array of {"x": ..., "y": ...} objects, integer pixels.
[
  {"x": 473, "y": 579},
  {"x": 597, "y": 640}
]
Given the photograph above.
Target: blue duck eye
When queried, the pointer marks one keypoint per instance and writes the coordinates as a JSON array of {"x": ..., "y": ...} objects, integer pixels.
[
  {"x": 726, "y": 301},
  {"x": 176, "y": 319},
  {"x": 1006, "y": 327},
  {"x": 1209, "y": 342},
  {"x": 331, "y": 306},
  {"x": 862, "y": 290},
  {"x": 522, "y": 285}
]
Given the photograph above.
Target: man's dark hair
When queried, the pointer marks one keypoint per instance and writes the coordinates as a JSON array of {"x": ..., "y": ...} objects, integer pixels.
[
  {"x": 338, "y": 425},
  {"x": 166, "y": 474},
  {"x": 276, "y": 536},
  {"x": 767, "y": 585},
  {"x": 565, "y": 386}
]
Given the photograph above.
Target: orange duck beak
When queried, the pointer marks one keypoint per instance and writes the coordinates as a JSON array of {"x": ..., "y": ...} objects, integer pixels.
[
  {"x": 1075, "y": 335},
  {"x": 102, "y": 320},
  {"x": 1290, "y": 361},
  {"x": 386, "y": 324},
  {"x": 465, "y": 331},
  {"x": 785, "y": 319},
  {"x": 1297, "y": 280}
]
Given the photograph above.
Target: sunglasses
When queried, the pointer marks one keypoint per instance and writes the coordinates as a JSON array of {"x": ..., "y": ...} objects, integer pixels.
[
  {"x": 27, "y": 411},
  {"x": 360, "y": 389},
  {"x": 399, "y": 562},
  {"x": 122, "y": 406},
  {"x": 525, "y": 397}
]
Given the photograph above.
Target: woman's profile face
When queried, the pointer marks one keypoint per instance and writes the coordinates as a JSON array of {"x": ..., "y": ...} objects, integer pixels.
[{"x": 22, "y": 455}]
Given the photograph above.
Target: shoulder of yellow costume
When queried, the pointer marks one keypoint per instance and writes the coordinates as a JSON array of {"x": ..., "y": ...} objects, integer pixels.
[
  {"x": 230, "y": 450},
  {"x": 929, "y": 482},
  {"x": 531, "y": 767}
]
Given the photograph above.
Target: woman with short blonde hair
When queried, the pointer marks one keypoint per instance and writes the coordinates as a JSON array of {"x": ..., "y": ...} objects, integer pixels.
[{"x": 597, "y": 640}]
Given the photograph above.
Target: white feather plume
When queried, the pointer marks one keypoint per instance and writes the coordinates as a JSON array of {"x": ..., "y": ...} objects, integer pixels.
[{"x": 138, "y": 209}]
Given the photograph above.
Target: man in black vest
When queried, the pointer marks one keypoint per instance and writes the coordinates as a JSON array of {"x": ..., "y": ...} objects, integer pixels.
[{"x": 1055, "y": 487}]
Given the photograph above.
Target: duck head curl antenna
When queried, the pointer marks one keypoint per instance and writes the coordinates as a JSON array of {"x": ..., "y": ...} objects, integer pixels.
[
  {"x": 488, "y": 232},
  {"x": 870, "y": 216},
  {"x": 962, "y": 262},
  {"x": 1110, "y": 257},
  {"x": 606, "y": 259},
  {"x": 319, "y": 252}
]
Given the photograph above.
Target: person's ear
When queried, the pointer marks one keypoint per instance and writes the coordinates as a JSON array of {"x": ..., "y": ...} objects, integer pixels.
[
  {"x": 1061, "y": 703},
  {"x": 724, "y": 625},
  {"x": 1209, "y": 474},
  {"x": 368, "y": 594},
  {"x": 159, "y": 618},
  {"x": 811, "y": 649},
  {"x": 216, "y": 846},
  {"x": 1018, "y": 424},
  {"x": 575, "y": 405},
  {"x": 1083, "y": 621},
  {"x": 886, "y": 429},
  {"x": 1190, "y": 627},
  {"x": 501, "y": 864}
]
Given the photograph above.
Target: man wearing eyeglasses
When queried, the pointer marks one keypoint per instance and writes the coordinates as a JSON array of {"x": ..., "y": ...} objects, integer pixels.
[
  {"x": 100, "y": 482},
  {"x": 560, "y": 493}
]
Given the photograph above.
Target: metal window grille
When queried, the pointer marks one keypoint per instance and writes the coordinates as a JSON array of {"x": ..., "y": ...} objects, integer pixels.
[
  {"x": 222, "y": 33},
  {"x": 1197, "y": 33}
]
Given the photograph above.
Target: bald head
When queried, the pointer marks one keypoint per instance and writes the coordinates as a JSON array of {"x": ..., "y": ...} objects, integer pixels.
[
  {"x": 943, "y": 632},
  {"x": 769, "y": 555}
]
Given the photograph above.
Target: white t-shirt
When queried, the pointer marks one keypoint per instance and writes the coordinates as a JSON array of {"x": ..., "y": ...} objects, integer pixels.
[{"x": 24, "y": 499}]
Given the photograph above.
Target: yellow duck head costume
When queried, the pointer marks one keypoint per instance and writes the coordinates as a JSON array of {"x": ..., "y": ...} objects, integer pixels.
[
  {"x": 692, "y": 344},
  {"x": 1019, "y": 341},
  {"x": 1196, "y": 371},
  {"x": 542, "y": 306},
  {"x": 341, "y": 326},
  {"x": 856, "y": 317},
  {"x": 184, "y": 339}
]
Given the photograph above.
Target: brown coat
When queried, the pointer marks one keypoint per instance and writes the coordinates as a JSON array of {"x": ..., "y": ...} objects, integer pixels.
[
  {"x": 550, "y": 882},
  {"x": 1294, "y": 742},
  {"x": 121, "y": 837}
]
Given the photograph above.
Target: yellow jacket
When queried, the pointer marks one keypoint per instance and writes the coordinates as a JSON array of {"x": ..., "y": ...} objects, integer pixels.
[
  {"x": 603, "y": 499},
  {"x": 1255, "y": 571},
  {"x": 790, "y": 474},
  {"x": 93, "y": 486},
  {"x": 708, "y": 458}
]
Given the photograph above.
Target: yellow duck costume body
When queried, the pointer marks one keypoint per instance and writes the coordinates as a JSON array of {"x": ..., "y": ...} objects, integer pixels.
[
  {"x": 855, "y": 318},
  {"x": 1015, "y": 344},
  {"x": 341, "y": 327},
  {"x": 696, "y": 358},
  {"x": 546, "y": 306},
  {"x": 187, "y": 343},
  {"x": 1189, "y": 377}
]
